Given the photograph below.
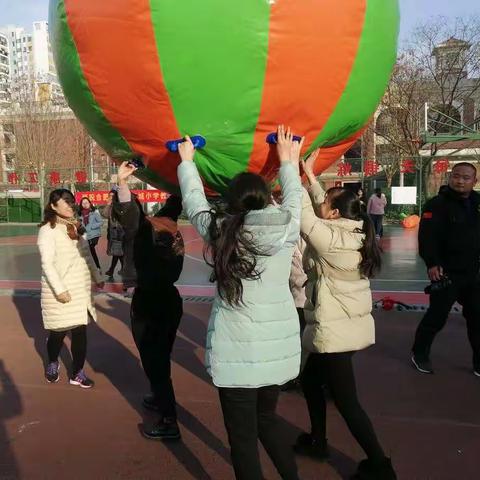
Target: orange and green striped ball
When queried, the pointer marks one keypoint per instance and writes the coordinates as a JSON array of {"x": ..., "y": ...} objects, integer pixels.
[{"x": 138, "y": 73}]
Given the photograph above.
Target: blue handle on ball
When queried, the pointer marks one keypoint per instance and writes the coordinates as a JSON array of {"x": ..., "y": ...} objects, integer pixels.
[
  {"x": 198, "y": 142},
  {"x": 272, "y": 138}
]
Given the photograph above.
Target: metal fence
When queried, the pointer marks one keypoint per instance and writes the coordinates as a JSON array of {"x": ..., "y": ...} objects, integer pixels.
[{"x": 20, "y": 189}]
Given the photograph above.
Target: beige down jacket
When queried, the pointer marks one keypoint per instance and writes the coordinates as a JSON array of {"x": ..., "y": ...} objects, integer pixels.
[
  {"x": 298, "y": 278},
  {"x": 339, "y": 300},
  {"x": 67, "y": 265}
]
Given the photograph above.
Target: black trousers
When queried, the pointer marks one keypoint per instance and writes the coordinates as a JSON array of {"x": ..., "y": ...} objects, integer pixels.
[
  {"x": 301, "y": 319},
  {"x": 464, "y": 289},
  {"x": 113, "y": 264},
  {"x": 155, "y": 316},
  {"x": 92, "y": 244},
  {"x": 249, "y": 415},
  {"x": 79, "y": 346},
  {"x": 336, "y": 371}
]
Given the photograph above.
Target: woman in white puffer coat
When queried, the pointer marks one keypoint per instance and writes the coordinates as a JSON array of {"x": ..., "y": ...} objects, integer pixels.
[{"x": 67, "y": 273}]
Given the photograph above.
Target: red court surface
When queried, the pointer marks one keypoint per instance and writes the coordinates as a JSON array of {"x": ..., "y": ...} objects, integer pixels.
[{"x": 430, "y": 425}]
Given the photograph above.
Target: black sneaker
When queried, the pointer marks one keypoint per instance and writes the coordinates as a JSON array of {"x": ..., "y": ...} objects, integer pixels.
[
  {"x": 367, "y": 470},
  {"x": 150, "y": 402},
  {"x": 422, "y": 365},
  {"x": 52, "y": 372},
  {"x": 165, "y": 429},
  {"x": 311, "y": 447},
  {"x": 81, "y": 380},
  {"x": 476, "y": 370}
]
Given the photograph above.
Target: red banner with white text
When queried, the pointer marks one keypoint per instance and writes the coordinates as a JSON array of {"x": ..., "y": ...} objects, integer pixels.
[{"x": 144, "y": 196}]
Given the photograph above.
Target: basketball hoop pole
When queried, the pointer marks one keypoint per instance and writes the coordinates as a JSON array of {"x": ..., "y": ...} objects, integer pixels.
[{"x": 426, "y": 118}]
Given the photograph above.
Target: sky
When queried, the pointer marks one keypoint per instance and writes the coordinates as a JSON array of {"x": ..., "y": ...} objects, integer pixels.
[{"x": 25, "y": 12}]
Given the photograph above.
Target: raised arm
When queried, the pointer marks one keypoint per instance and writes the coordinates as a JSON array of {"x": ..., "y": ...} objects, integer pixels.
[
  {"x": 314, "y": 231},
  {"x": 193, "y": 195},
  {"x": 289, "y": 157},
  {"x": 126, "y": 209},
  {"x": 317, "y": 194}
]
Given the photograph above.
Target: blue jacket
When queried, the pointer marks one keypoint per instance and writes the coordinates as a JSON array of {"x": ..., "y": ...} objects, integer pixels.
[
  {"x": 94, "y": 227},
  {"x": 257, "y": 344}
]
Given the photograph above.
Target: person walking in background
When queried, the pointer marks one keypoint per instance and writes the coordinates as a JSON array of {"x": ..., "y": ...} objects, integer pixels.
[
  {"x": 342, "y": 254},
  {"x": 92, "y": 222},
  {"x": 361, "y": 196},
  {"x": 376, "y": 209},
  {"x": 253, "y": 338},
  {"x": 115, "y": 235},
  {"x": 67, "y": 274}
]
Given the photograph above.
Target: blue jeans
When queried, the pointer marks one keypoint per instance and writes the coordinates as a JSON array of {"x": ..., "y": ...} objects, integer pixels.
[{"x": 377, "y": 224}]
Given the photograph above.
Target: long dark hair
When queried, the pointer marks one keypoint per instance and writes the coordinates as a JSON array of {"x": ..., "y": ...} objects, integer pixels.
[
  {"x": 349, "y": 206},
  {"x": 231, "y": 250},
  {"x": 49, "y": 214}
]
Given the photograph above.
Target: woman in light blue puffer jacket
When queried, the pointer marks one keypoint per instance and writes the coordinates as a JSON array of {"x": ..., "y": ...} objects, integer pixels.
[
  {"x": 253, "y": 341},
  {"x": 92, "y": 221}
]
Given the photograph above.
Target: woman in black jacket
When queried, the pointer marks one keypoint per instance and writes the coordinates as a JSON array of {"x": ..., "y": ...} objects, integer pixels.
[
  {"x": 153, "y": 254},
  {"x": 115, "y": 236}
]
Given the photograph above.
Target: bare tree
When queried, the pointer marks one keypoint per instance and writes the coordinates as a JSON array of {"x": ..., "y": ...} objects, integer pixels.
[
  {"x": 47, "y": 135},
  {"x": 439, "y": 67}
]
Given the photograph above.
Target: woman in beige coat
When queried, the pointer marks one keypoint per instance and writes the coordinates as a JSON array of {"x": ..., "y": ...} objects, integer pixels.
[
  {"x": 341, "y": 255},
  {"x": 67, "y": 273}
]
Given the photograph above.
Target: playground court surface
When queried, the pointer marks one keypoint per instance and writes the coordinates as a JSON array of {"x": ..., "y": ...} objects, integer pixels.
[
  {"x": 402, "y": 277},
  {"x": 430, "y": 425}
]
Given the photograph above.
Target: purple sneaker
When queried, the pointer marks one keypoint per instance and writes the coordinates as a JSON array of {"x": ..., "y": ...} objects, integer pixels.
[
  {"x": 51, "y": 372},
  {"x": 81, "y": 380}
]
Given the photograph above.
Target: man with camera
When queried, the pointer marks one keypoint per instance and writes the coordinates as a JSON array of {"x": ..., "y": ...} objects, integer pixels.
[{"x": 449, "y": 244}]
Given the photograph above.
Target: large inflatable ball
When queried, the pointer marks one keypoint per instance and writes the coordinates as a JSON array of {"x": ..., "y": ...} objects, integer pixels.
[{"x": 140, "y": 73}]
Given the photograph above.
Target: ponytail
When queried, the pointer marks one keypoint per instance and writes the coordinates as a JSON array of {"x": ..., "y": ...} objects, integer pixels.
[
  {"x": 231, "y": 252},
  {"x": 371, "y": 254},
  {"x": 350, "y": 207}
]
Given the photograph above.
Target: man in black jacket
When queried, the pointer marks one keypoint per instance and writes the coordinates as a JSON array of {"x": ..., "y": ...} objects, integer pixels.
[
  {"x": 449, "y": 244},
  {"x": 153, "y": 260}
]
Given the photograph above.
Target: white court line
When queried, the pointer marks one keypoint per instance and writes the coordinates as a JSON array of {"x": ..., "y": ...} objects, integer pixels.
[
  {"x": 392, "y": 280},
  {"x": 200, "y": 260},
  {"x": 398, "y": 291}
]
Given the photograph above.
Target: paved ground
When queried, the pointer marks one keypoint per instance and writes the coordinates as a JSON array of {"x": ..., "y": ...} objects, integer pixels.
[
  {"x": 430, "y": 425},
  {"x": 402, "y": 278}
]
